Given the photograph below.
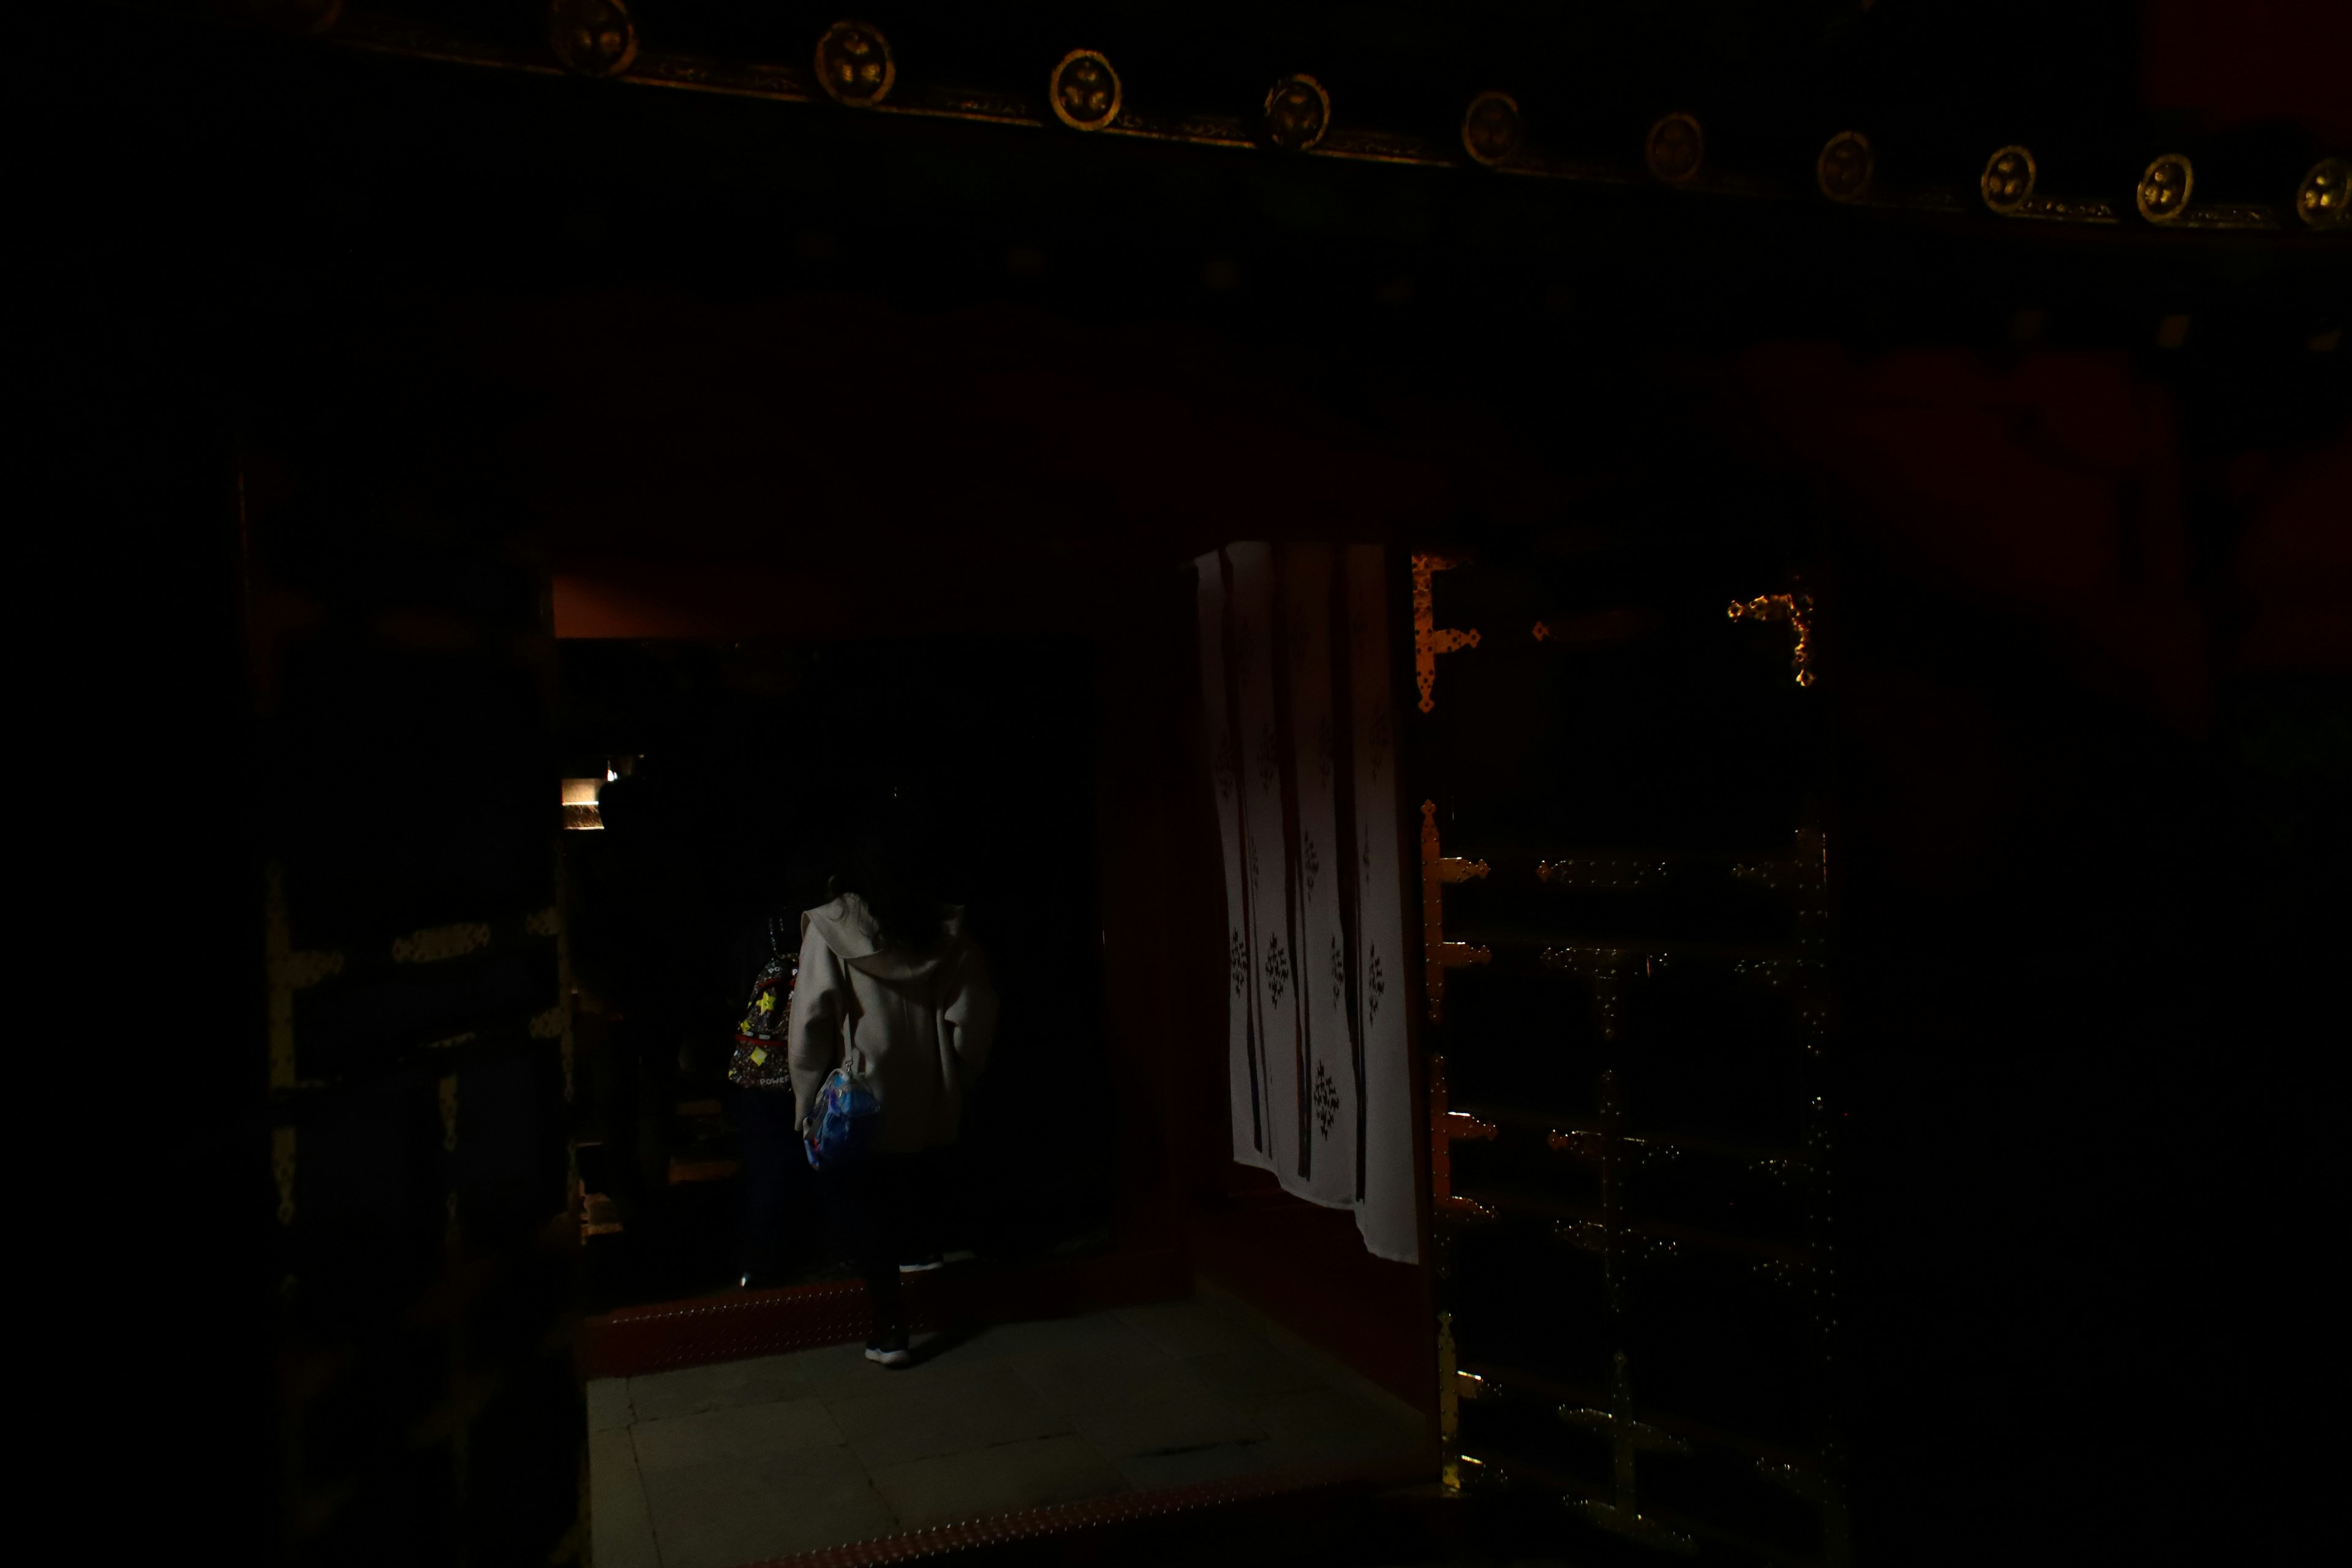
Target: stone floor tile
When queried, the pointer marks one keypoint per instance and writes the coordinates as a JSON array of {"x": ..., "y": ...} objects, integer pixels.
[
  {"x": 1188, "y": 1328},
  {"x": 1317, "y": 1410},
  {"x": 939, "y": 1358},
  {"x": 908, "y": 1419},
  {"x": 824, "y": 1362},
  {"x": 1107, "y": 1379},
  {"x": 608, "y": 1403},
  {"x": 764, "y": 1380},
  {"x": 1192, "y": 1466},
  {"x": 1352, "y": 1445},
  {"x": 1065, "y": 1336},
  {"x": 1255, "y": 1375},
  {"x": 620, "y": 1526},
  {"x": 727, "y": 1513},
  {"x": 1174, "y": 1425},
  {"x": 739, "y": 1432},
  {"x": 999, "y": 1479}
]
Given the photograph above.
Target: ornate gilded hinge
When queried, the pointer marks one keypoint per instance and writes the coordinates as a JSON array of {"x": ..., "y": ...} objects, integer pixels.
[
  {"x": 1428, "y": 641},
  {"x": 1446, "y": 1125},
  {"x": 1797, "y": 609},
  {"x": 1439, "y": 955}
]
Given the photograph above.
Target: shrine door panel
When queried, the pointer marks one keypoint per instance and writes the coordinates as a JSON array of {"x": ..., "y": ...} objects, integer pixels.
[{"x": 1629, "y": 1025}]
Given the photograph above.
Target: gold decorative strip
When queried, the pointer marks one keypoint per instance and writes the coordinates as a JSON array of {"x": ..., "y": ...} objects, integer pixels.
[
  {"x": 784, "y": 84},
  {"x": 438, "y": 943},
  {"x": 1584, "y": 170},
  {"x": 2060, "y": 211},
  {"x": 383, "y": 35},
  {"x": 1428, "y": 641},
  {"x": 2220, "y": 215},
  {"x": 1383, "y": 147},
  {"x": 597, "y": 38},
  {"x": 1610, "y": 872},
  {"x": 967, "y": 103},
  {"x": 1197, "y": 129}
]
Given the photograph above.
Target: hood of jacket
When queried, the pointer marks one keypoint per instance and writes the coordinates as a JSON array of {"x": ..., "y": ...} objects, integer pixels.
[{"x": 848, "y": 928}]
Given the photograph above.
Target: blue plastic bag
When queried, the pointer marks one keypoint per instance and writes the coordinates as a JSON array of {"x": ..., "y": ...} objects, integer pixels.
[{"x": 843, "y": 1121}]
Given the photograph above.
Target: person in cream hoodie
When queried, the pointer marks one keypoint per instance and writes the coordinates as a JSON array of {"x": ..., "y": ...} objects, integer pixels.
[{"x": 890, "y": 983}]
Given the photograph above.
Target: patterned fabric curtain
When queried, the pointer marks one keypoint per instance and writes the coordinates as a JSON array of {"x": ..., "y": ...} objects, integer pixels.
[{"x": 1294, "y": 682}]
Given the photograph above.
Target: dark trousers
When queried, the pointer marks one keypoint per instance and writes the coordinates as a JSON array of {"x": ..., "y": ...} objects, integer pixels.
[
  {"x": 885, "y": 1214},
  {"x": 779, "y": 1187}
]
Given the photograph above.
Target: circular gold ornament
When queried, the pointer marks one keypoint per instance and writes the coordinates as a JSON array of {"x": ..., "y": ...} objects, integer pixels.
[
  {"x": 1298, "y": 113},
  {"x": 592, "y": 37},
  {"x": 1844, "y": 167},
  {"x": 2008, "y": 179},
  {"x": 1675, "y": 148},
  {"x": 1084, "y": 91},
  {"x": 854, "y": 64},
  {"x": 1491, "y": 127},
  {"x": 2164, "y": 187},
  {"x": 2325, "y": 197}
]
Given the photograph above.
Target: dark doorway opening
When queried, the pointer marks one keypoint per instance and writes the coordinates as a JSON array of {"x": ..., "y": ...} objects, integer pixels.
[{"x": 726, "y": 772}]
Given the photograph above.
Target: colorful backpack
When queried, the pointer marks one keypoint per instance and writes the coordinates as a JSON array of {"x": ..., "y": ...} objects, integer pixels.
[
  {"x": 843, "y": 1123},
  {"x": 762, "y": 1038}
]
